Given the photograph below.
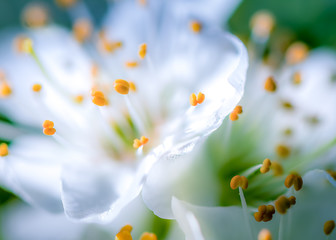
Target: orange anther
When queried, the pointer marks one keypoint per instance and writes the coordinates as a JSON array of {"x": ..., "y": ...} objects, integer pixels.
[
  {"x": 131, "y": 64},
  {"x": 270, "y": 85},
  {"x": 121, "y": 86},
  {"x": 148, "y": 236},
  {"x": 37, "y": 87},
  {"x": 48, "y": 124},
  {"x": 195, "y": 26},
  {"x": 143, "y": 50},
  {"x": 3, "y": 150},
  {"x": 82, "y": 30},
  {"x": 234, "y": 116}
]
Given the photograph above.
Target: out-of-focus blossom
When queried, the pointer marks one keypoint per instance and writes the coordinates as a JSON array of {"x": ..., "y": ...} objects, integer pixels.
[
  {"x": 112, "y": 102},
  {"x": 281, "y": 130}
]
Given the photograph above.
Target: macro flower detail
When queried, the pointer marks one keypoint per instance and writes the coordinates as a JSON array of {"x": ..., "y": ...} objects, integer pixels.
[{"x": 98, "y": 108}]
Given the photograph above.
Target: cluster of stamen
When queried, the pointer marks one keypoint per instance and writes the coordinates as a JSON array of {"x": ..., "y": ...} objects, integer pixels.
[
  {"x": 265, "y": 213},
  {"x": 140, "y": 142},
  {"x": 125, "y": 234},
  {"x": 234, "y": 115},
  {"x": 196, "y": 100},
  {"x": 266, "y": 166},
  {"x": 294, "y": 180},
  {"x": 329, "y": 227},
  {"x": 270, "y": 84},
  {"x": 282, "y": 204},
  {"x": 4, "y": 150},
  {"x": 264, "y": 234},
  {"x": 239, "y": 181},
  {"x": 48, "y": 128}
]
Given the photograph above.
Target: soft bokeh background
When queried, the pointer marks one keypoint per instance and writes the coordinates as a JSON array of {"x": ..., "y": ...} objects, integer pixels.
[{"x": 311, "y": 21}]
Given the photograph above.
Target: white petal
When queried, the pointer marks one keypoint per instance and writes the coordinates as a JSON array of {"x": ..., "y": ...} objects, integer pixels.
[{"x": 32, "y": 173}]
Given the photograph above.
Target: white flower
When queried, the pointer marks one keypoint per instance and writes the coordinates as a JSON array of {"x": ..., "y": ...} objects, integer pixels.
[{"x": 89, "y": 168}]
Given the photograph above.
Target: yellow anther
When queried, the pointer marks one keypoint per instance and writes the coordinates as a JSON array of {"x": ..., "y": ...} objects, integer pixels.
[
  {"x": 238, "y": 109},
  {"x": 138, "y": 143},
  {"x": 282, "y": 150},
  {"x": 239, "y": 181},
  {"x": 148, "y": 236},
  {"x": 82, "y": 30},
  {"x": 144, "y": 140},
  {"x": 262, "y": 23},
  {"x": 297, "y": 79},
  {"x": 111, "y": 46},
  {"x": 121, "y": 86},
  {"x": 196, "y": 100},
  {"x": 277, "y": 169},
  {"x": 48, "y": 124},
  {"x": 127, "y": 228},
  {"x": 270, "y": 84},
  {"x": 195, "y": 26},
  {"x": 266, "y": 166},
  {"x": 79, "y": 99},
  {"x": 124, "y": 235},
  {"x": 294, "y": 179},
  {"x": 3, "y": 150},
  {"x": 193, "y": 99},
  {"x": 264, "y": 234},
  {"x": 65, "y": 3},
  {"x": 265, "y": 213},
  {"x": 37, "y": 87},
  {"x": 234, "y": 116},
  {"x": 27, "y": 46},
  {"x": 48, "y": 128},
  {"x": 292, "y": 200},
  {"x": 288, "y": 132},
  {"x": 142, "y": 50},
  {"x": 132, "y": 86},
  {"x": 282, "y": 204},
  {"x": 35, "y": 15},
  {"x": 296, "y": 53},
  {"x": 132, "y": 64},
  {"x": 5, "y": 90},
  {"x": 287, "y": 105},
  {"x": 49, "y": 131},
  {"x": 329, "y": 227}
]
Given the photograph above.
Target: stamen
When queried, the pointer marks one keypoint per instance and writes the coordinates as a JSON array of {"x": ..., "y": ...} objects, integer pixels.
[
  {"x": 3, "y": 150},
  {"x": 138, "y": 143},
  {"x": 82, "y": 30},
  {"x": 148, "y": 236},
  {"x": 35, "y": 15},
  {"x": 282, "y": 150},
  {"x": 65, "y": 3},
  {"x": 332, "y": 174},
  {"x": 292, "y": 200},
  {"x": 329, "y": 227},
  {"x": 265, "y": 213},
  {"x": 264, "y": 234},
  {"x": 5, "y": 90},
  {"x": 79, "y": 99},
  {"x": 124, "y": 233},
  {"x": 37, "y": 87},
  {"x": 262, "y": 23},
  {"x": 287, "y": 105},
  {"x": 142, "y": 50},
  {"x": 142, "y": 2},
  {"x": 270, "y": 84},
  {"x": 48, "y": 128},
  {"x": 297, "y": 79},
  {"x": 238, "y": 109},
  {"x": 239, "y": 181},
  {"x": 234, "y": 116},
  {"x": 132, "y": 64},
  {"x": 296, "y": 53},
  {"x": 121, "y": 86},
  {"x": 98, "y": 98},
  {"x": 132, "y": 86},
  {"x": 282, "y": 204},
  {"x": 277, "y": 169},
  {"x": 294, "y": 179},
  {"x": 196, "y": 26},
  {"x": 266, "y": 166},
  {"x": 196, "y": 100}
]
